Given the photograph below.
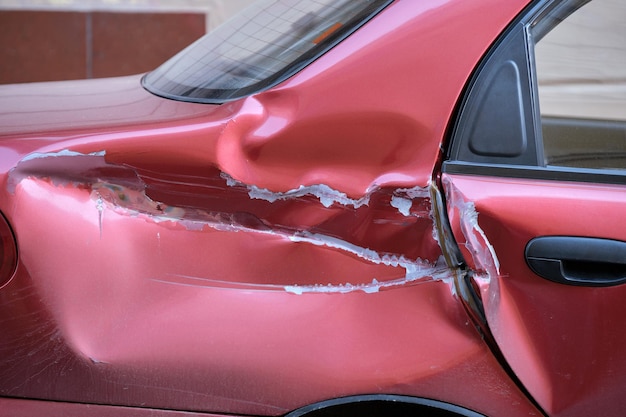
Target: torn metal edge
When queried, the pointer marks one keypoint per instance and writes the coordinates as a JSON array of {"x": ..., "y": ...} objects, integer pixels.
[
  {"x": 324, "y": 193},
  {"x": 415, "y": 270}
]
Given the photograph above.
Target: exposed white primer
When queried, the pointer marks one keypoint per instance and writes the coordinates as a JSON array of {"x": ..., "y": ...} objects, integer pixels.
[
  {"x": 477, "y": 246},
  {"x": 403, "y": 205},
  {"x": 415, "y": 269},
  {"x": 482, "y": 252},
  {"x": 64, "y": 152},
  {"x": 324, "y": 193}
]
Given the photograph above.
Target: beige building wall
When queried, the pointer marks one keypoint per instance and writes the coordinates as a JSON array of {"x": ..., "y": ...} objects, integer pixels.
[{"x": 581, "y": 64}]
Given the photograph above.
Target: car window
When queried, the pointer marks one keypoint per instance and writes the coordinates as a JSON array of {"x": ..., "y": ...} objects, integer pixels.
[
  {"x": 581, "y": 82},
  {"x": 549, "y": 99},
  {"x": 264, "y": 44}
]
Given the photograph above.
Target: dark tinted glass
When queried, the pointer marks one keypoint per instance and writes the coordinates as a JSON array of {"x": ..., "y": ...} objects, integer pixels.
[{"x": 261, "y": 46}]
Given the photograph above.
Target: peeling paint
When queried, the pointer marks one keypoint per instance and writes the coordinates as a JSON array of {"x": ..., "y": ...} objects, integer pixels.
[
  {"x": 324, "y": 193},
  {"x": 371, "y": 288},
  {"x": 402, "y": 204},
  {"x": 66, "y": 167},
  {"x": 415, "y": 270},
  {"x": 100, "y": 208},
  {"x": 403, "y": 198}
]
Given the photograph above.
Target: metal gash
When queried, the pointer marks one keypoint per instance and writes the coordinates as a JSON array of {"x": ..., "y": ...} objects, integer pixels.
[{"x": 384, "y": 229}]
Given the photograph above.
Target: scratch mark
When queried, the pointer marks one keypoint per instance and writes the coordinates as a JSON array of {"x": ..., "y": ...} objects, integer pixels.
[
  {"x": 476, "y": 242},
  {"x": 54, "y": 166},
  {"x": 403, "y": 198},
  {"x": 100, "y": 208},
  {"x": 136, "y": 203},
  {"x": 64, "y": 152},
  {"x": 435, "y": 274},
  {"x": 198, "y": 282}
]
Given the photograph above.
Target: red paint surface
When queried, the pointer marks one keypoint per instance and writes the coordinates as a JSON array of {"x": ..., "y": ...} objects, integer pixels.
[
  {"x": 148, "y": 278},
  {"x": 565, "y": 343},
  {"x": 26, "y": 408}
]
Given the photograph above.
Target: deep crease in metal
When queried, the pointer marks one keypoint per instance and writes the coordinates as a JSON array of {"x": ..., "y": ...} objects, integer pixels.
[{"x": 128, "y": 197}]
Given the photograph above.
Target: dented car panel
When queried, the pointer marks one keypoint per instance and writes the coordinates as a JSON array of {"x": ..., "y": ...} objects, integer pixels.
[
  {"x": 119, "y": 326},
  {"x": 535, "y": 321},
  {"x": 258, "y": 256}
]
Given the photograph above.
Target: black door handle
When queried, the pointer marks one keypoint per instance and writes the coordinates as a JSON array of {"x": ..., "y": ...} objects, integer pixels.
[{"x": 583, "y": 261}]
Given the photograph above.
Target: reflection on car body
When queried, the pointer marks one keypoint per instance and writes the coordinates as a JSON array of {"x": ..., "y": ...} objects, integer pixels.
[{"x": 409, "y": 212}]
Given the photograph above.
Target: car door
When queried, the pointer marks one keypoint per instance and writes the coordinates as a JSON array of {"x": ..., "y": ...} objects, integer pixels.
[{"x": 536, "y": 196}]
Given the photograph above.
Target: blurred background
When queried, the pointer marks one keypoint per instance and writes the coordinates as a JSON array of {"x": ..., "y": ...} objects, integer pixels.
[{"x": 48, "y": 40}]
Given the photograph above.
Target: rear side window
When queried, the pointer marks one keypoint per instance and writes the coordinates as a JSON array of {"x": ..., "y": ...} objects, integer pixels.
[
  {"x": 263, "y": 45},
  {"x": 549, "y": 101},
  {"x": 581, "y": 74}
]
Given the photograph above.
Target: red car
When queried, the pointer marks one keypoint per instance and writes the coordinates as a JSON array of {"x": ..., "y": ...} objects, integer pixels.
[{"x": 327, "y": 208}]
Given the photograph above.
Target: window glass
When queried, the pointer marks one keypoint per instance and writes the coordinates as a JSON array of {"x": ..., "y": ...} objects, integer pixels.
[
  {"x": 259, "y": 47},
  {"x": 581, "y": 75}
]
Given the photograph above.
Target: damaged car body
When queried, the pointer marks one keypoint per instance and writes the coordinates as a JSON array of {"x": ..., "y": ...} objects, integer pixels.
[{"x": 379, "y": 207}]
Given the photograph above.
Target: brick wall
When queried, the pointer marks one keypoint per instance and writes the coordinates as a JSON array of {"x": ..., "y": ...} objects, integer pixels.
[{"x": 47, "y": 40}]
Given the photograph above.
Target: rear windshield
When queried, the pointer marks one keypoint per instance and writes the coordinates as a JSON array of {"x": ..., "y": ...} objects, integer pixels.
[{"x": 258, "y": 48}]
